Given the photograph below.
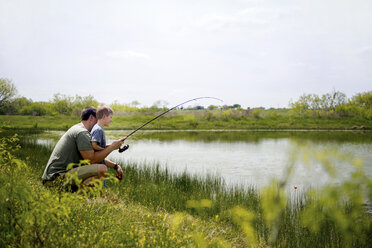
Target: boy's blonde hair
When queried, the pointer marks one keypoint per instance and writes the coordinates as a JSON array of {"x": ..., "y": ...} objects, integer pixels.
[{"x": 103, "y": 110}]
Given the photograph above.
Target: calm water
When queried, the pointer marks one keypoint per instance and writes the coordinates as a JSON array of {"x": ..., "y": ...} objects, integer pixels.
[{"x": 244, "y": 157}]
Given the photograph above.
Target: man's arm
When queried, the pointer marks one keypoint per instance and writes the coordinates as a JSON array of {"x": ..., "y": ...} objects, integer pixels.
[
  {"x": 98, "y": 156},
  {"x": 116, "y": 167}
]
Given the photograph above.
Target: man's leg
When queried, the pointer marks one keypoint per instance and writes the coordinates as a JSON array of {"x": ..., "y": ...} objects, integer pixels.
[
  {"x": 89, "y": 172},
  {"x": 101, "y": 172}
]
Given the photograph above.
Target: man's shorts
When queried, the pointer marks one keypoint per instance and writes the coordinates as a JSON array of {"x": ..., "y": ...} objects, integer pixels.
[{"x": 85, "y": 171}]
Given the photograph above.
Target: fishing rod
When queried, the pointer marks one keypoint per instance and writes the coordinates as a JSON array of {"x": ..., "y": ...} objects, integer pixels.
[{"x": 125, "y": 147}]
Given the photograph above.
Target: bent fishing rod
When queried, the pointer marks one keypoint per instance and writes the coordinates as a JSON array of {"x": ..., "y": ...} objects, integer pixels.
[{"x": 125, "y": 147}]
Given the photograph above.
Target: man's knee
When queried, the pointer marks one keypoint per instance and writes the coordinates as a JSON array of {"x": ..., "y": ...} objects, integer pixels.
[{"x": 102, "y": 170}]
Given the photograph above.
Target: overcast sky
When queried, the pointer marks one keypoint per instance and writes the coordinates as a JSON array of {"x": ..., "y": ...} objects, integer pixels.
[{"x": 250, "y": 52}]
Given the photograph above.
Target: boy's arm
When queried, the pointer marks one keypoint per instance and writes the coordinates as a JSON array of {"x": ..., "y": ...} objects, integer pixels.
[{"x": 95, "y": 146}]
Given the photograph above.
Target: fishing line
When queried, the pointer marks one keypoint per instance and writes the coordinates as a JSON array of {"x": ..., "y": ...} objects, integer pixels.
[{"x": 125, "y": 147}]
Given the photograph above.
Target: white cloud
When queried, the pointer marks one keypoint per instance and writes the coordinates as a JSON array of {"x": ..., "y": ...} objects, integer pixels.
[
  {"x": 254, "y": 17},
  {"x": 121, "y": 54}
]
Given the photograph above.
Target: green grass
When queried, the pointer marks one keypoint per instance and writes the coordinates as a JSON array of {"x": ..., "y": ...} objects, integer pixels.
[
  {"x": 153, "y": 208},
  {"x": 203, "y": 119},
  {"x": 58, "y": 122}
]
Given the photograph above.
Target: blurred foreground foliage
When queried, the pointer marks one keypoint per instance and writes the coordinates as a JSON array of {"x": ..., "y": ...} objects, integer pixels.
[{"x": 155, "y": 209}]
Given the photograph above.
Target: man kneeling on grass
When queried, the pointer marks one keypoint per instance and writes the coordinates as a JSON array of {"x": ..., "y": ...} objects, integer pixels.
[{"x": 74, "y": 146}]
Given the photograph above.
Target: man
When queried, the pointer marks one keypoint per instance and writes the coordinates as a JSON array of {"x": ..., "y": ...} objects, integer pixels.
[{"x": 74, "y": 146}]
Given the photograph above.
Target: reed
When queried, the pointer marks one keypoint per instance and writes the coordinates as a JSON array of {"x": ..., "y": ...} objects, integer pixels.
[{"x": 153, "y": 208}]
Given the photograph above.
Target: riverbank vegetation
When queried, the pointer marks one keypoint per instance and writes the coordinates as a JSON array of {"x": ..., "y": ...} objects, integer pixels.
[
  {"x": 328, "y": 111},
  {"x": 196, "y": 120},
  {"x": 153, "y": 208}
]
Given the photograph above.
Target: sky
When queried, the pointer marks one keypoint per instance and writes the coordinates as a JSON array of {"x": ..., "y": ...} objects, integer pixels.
[{"x": 256, "y": 53}]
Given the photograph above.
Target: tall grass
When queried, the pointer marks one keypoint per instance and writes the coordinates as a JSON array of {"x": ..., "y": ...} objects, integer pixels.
[
  {"x": 152, "y": 186},
  {"x": 154, "y": 208},
  {"x": 157, "y": 189}
]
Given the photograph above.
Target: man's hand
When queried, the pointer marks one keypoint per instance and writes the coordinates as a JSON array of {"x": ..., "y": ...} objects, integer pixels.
[
  {"x": 119, "y": 173},
  {"x": 117, "y": 143}
]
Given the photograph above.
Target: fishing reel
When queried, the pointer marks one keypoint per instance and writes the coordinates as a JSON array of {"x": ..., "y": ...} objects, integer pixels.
[{"x": 122, "y": 149}]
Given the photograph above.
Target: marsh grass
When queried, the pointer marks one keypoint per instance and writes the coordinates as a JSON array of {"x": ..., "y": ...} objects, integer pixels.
[
  {"x": 153, "y": 186},
  {"x": 154, "y": 208},
  {"x": 181, "y": 193}
]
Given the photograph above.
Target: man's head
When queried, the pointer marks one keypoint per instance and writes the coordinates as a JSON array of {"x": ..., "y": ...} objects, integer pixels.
[
  {"x": 104, "y": 115},
  {"x": 87, "y": 112},
  {"x": 88, "y": 117}
]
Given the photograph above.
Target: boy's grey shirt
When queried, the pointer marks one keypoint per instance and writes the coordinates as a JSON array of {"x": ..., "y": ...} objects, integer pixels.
[
  {"x": 66, "y": 151},
  {"x": 98, "y": 135}
]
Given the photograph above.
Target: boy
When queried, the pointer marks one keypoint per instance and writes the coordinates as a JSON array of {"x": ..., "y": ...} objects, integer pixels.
[
  {"x": 104, "y": 118},
  {"x": 98, "y": 141}
]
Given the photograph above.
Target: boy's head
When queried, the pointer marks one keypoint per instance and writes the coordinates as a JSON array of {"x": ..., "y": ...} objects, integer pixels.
[{"x": 103, "y": 110}]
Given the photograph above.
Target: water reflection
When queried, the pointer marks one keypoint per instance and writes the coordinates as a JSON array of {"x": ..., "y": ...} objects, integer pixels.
[{"x": 248, "y": 136}]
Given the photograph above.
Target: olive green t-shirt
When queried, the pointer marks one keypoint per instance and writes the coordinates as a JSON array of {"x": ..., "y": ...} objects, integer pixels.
[{"x": 66, "y": 151}]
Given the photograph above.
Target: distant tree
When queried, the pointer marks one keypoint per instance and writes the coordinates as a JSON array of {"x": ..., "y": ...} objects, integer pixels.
[
  {"x": 35, "y": 108},
  {"x": 236, "y": 106},
  {"x": 16, "y": 104},
  {"x": 329, "y": 101},
  {"x": 62, "y": 104},
  {"x": 7, "y": 90},
  {"x": 313, "y": 104},
  {"x": 85, "y": 101},
  {"x": 301, "y": 106},
  {"x": 135, "y": 104},
  {"x": 212, "y": 107},
  {"x": 198, "y": 107},
  {"x": 362, "y": 99},
  {"x": 225, "y": 107},
  {"x": 160, "y": 104},
  {"x": 362, "y": 104},
  {"x": 78, "y": 103}
]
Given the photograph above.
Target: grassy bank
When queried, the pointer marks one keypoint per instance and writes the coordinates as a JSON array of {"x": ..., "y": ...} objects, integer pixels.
[
  {"x": 178, "y": 120},
  {"x": 152, "y": 208}
]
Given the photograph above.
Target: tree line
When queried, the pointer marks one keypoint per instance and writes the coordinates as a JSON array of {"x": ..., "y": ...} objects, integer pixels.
[
  {"x": 333, "y": 104},
  {"x": 11, "y": 104}
]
